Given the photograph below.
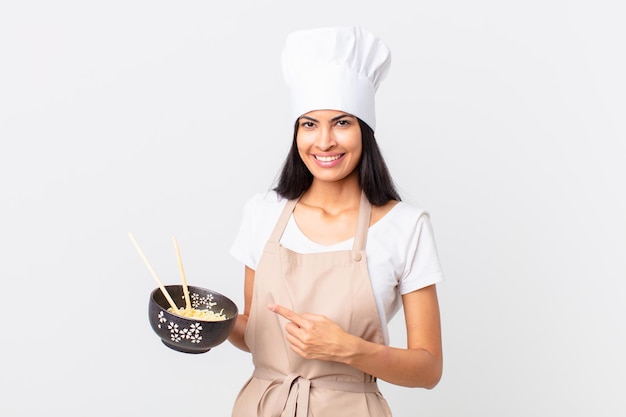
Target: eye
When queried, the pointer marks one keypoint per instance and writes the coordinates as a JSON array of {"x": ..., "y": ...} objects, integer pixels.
[
  {"x": 307, "y": 124},
  {"x": 343, "y": 122}
]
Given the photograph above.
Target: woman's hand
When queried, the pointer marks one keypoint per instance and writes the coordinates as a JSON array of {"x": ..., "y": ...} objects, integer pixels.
[{"x": 313, "y": 336}]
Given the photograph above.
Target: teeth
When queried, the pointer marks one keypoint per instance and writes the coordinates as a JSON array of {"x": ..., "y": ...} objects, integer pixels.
[{"x": 327, "y": 158}]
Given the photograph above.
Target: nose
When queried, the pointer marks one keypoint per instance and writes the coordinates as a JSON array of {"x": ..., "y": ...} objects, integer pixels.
[{"x": 325, "y": 139}]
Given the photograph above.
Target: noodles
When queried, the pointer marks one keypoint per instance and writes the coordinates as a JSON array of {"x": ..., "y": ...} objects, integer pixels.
[{"x": 194, "y": 313}]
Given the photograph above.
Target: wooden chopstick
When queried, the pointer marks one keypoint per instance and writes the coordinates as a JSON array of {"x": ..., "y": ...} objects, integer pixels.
[
  {"x": 154, "y": 275},
  {"x": 182, "y": 274}
]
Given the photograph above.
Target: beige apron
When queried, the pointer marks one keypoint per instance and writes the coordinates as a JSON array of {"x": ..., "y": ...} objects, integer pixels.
[{"x": 334, "y": 284}]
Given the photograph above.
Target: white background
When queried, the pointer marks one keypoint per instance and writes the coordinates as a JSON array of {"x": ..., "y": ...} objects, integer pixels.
[{"x": 504, "y": 119}]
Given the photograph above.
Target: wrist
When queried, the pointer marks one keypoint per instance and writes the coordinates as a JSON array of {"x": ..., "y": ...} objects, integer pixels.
[{"x": 358, "y": 351}]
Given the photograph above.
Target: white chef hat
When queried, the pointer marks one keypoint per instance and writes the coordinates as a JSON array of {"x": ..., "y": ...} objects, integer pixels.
[{"x": 335, "y": 68}]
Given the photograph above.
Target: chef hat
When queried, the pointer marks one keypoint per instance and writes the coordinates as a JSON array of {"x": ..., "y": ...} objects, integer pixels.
[{"x": 335, "y": 68}]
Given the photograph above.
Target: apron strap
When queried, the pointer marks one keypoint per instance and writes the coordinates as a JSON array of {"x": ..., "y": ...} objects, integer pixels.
[
  {"x": 363, "y": 224},
  {"x": 283, "y": 220},
  {"x": 294, "y": 390}
]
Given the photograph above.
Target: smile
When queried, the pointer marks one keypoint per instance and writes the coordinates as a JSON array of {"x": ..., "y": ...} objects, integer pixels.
[{"x": 327, "y": 158}]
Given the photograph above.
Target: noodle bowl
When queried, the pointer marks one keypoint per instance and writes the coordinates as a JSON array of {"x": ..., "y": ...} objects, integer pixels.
[{"x": 206, "y": 324}]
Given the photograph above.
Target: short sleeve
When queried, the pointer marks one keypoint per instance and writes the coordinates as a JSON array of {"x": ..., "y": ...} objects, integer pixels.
[{"x": 422, "y": 267}]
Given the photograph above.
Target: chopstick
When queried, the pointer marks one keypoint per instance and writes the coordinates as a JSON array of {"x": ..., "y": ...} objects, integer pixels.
[
  {"x": 182, "y": 274},
  {"x": 154, "y": 275}
]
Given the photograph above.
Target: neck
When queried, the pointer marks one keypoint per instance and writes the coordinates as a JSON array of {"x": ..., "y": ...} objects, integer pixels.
[{"x": 333, "y": 196}]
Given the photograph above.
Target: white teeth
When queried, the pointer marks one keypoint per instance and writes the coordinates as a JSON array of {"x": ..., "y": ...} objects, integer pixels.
[{"x": 327, "y": 158}]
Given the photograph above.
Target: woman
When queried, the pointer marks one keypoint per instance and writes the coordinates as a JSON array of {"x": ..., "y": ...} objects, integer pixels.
[{"x": 331, "y": 253}]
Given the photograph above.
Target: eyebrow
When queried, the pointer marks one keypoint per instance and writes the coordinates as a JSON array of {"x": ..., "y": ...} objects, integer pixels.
[{"x": 334, "y": 119}]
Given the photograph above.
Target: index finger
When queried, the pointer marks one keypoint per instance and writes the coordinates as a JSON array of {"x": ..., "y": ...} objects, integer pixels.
[{"x": 286, "y": 313}]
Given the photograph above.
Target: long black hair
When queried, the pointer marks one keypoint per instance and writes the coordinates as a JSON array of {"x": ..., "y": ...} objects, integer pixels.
[{"x": 374, "y": 177}]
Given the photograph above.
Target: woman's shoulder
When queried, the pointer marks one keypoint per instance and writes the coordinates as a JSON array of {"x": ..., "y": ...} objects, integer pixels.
[
  {"x": 404, "y": 221},
  {"x": 264, "y": 204},
  {"x": 266, "y": 199},
  {"x": 260, "y": 213},
  {"x": 404, "y": 228},
  {"x": 404, "y": 211}
]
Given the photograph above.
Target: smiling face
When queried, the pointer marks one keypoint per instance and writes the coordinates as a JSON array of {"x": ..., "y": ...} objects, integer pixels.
[{"x": 329, "y": 143}]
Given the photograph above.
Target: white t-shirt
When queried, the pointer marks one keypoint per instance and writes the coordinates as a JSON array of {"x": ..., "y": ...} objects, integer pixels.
[{"x": 401, "y": 252}]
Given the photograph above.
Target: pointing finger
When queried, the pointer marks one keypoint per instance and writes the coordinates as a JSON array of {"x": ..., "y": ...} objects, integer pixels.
[{"x": 286, "y": 313}]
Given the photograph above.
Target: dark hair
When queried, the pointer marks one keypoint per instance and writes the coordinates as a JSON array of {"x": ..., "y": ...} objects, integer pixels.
[{"x": 373, "y": 174}]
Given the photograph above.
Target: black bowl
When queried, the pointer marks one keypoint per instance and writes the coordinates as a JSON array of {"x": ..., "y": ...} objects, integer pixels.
[{"x": 186, "y": 334}]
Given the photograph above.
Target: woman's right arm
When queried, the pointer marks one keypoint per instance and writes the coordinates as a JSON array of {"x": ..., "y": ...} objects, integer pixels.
[{"x": 236, "y": 337}]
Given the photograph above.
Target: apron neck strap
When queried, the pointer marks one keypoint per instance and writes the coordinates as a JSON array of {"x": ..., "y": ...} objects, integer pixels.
[
  {"x": 283, "y": 220},
  {"x": 363, "y": 222}
]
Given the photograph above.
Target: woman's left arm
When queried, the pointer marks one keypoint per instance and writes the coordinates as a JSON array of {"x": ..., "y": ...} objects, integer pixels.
[{"x": 419, "y": 365}]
